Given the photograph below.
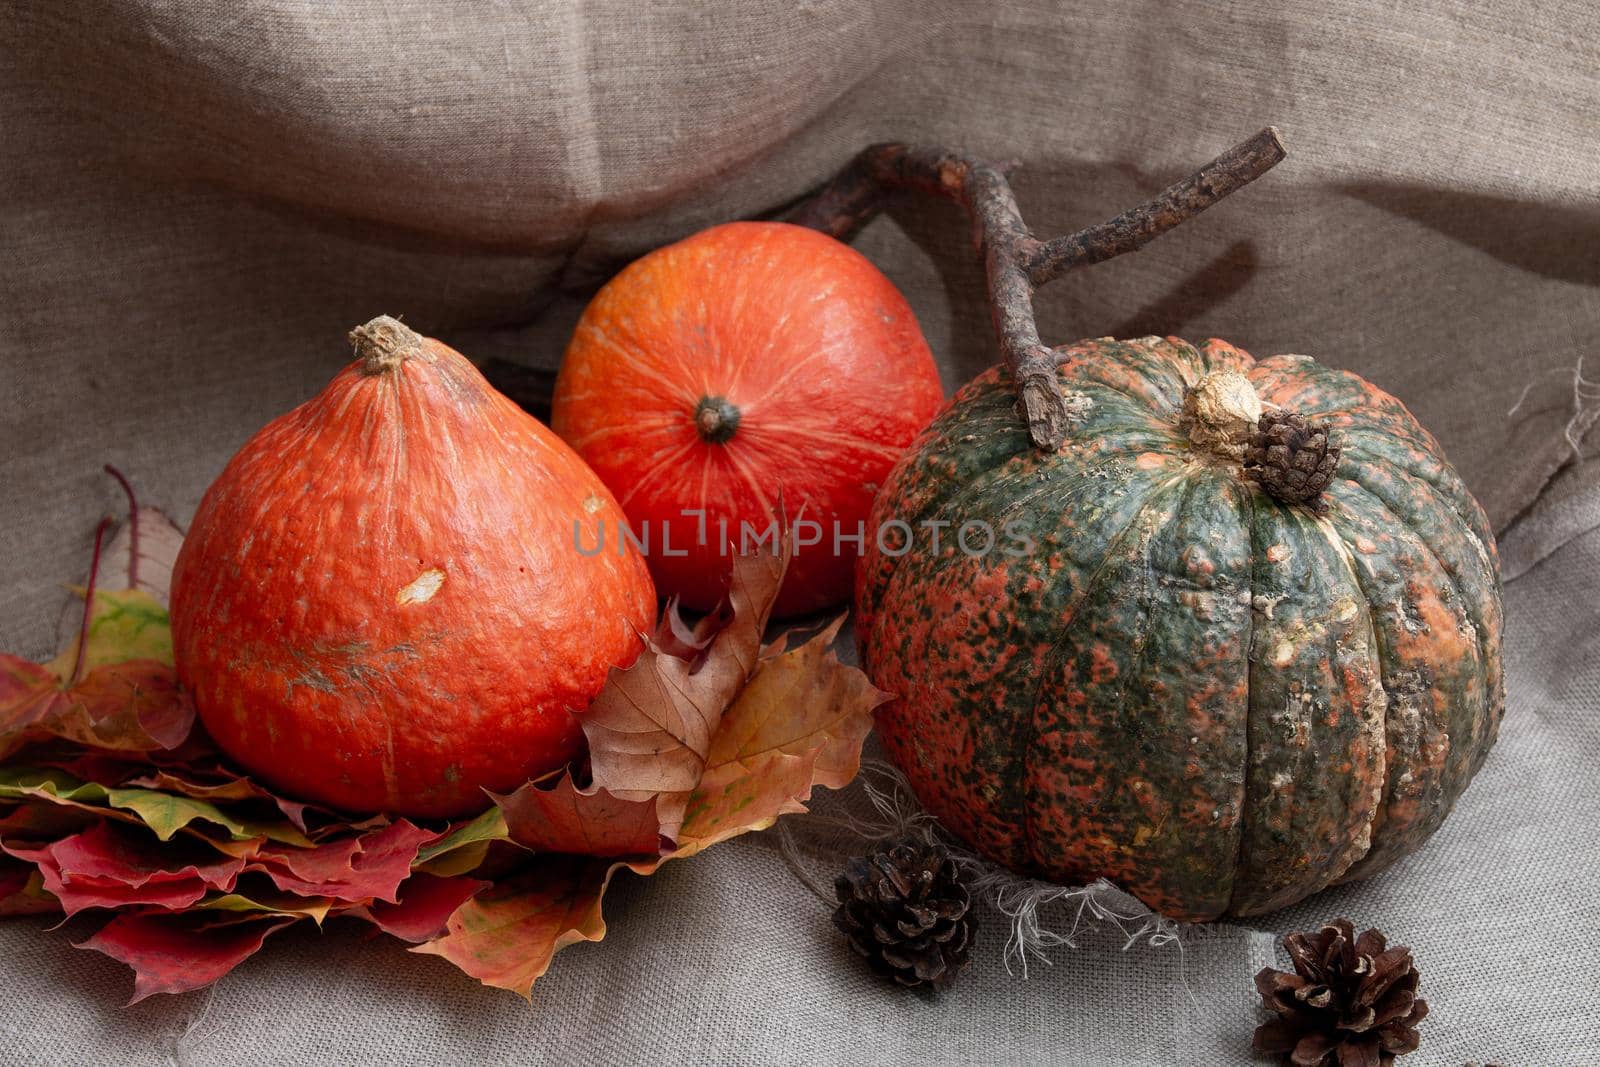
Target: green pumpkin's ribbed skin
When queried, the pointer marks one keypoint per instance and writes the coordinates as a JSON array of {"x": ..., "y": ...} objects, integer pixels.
[{"x": 1159, "y": 674}]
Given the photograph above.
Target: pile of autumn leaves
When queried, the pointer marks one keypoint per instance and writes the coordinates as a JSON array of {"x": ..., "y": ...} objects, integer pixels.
[{"x": 114, "y": 804}]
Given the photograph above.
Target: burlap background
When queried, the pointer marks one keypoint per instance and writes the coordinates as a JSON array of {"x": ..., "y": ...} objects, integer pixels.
[{"x": 201, "y": 197}]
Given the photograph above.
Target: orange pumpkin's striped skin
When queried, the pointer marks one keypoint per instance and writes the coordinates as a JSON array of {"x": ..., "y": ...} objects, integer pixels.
[
  {"x": 379, "y": 606},
  {"x": 1221, "y": 702},
  {"x": 824, "y": 376}
]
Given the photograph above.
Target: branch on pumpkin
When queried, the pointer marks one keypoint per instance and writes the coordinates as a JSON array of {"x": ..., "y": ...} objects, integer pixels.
[{"x": 1015, "y": 261}]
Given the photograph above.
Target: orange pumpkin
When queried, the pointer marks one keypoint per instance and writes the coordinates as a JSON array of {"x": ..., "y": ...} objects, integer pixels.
[
  {"x": 379, "y": 605},
  {"x": 749, "y": 365}
]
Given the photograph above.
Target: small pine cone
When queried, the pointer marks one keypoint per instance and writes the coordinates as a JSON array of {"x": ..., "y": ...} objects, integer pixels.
[
  {"x": 1351, "y": 1002},
  {"x": 906, "y": 911},
  {"x": 1292, "y": 458}
]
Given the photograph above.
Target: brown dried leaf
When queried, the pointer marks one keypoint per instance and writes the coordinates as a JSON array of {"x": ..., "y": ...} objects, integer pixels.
[
  {"x": 134, "y": 705},
  {"x": 369, "y": 867},
  {"x": 800, "y": 722},
  {"x": 507, "y": 935},
  {"x": 651, "y": 728},
  {"x": 560, "y": 817},
  {"x": 803, "y": 699},
  {"x": 29, "y": 695},
  {"x": 678, "y": 638}
]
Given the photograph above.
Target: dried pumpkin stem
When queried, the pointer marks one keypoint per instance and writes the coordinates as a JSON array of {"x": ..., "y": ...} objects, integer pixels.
[
  {"x": 1015, "y": 261},
  {"x": 385, "y": 343}
]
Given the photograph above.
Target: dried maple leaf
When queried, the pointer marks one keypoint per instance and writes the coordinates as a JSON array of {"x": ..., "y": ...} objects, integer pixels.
[
  {"x": 423, "y": 911},
  {"x": 42, "y": 822},
  {"x": 163, "y": 813},
  {"x": 107, "y": 868},
  {"x": 134, "y": 705},
  {"x": 369, "y": 867},
  {"x": 128, "y": 806},
  {"x": 463, "y": 849},
  {"x": 650, "y": 729},
  {"x": 123, "y": 701},
  {"x": 139, "y": 557},
  {"x": 560, "y": 817},
  {"x": 678, "y": 638},
  {"x": 314, "y": 908},
  {"x": 113, "y": 683},
  {"x": 177, "y": 953},
  {"x": 507, "y": 935},
  {"x": 800, "y": 722},
  {"x": 29, "y": 695},
  {"x": 170, "y": 780},
  {"x": 22, "y": 890}
]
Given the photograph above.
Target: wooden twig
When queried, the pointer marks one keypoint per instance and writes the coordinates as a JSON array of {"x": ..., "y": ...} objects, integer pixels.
[{"x": 1015, "y": 261}]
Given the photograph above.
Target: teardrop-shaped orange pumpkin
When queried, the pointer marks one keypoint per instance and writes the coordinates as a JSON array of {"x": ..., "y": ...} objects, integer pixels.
[{"x": 381, "y": 606}]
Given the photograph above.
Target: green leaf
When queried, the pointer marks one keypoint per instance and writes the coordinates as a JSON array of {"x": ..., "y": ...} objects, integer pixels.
[
  {"x": 488, "y": 826},
  {"x": 123, "y": 624},
  {"x": 314, "y": 908},
  {"x": 167, "y": 813},
  {"x": 164, "y": 813},
  {"x": 34, "y": 782}
]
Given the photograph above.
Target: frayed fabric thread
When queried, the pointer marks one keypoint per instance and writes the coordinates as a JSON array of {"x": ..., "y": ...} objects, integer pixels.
[
  {"x": 1584, "y": 393},
  {"x": 1028, "y": 905},
  {"x": 183, "y": 1043}
]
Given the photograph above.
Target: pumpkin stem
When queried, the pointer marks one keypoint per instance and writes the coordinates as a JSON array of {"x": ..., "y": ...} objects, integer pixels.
[
  {"x": 1220, "y": 413},
  {"x": 1017, "y": 262},
  {"x": 716, "y": 418},
  {"x": 385, "y": 343}
]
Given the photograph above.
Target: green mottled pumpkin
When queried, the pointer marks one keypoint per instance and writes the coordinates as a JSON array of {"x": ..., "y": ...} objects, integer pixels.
[{"x": 1158, "y": 673}]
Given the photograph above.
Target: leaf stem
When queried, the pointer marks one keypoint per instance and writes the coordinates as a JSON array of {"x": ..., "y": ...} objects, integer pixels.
[
  {"x": 88, "y": 604},
  {"x": 133, "y": 526}
]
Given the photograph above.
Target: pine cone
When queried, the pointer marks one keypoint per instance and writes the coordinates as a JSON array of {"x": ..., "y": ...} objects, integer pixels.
[
  {"x": 1292, "y": 458},
  {"x": 1351, "y": 1001},
  {"x": 906, "y": 911}
]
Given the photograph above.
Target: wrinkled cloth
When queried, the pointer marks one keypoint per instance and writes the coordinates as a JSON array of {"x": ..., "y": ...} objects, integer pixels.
[
  {"x": 203, "y": 197},
  {"x": 728, "y": 959}
]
